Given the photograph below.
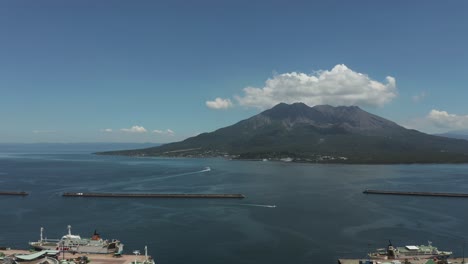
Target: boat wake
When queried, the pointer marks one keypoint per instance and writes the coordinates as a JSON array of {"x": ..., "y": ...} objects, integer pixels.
[
  {"x": 260, "y": 205},
  {"x": 154, "y": 178},
  {"x": 206, "y": 169},
  {"x": 182, "y": 174}
]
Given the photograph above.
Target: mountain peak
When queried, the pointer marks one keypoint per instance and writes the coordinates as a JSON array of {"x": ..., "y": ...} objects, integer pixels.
[{"x": 350, "y": 118}]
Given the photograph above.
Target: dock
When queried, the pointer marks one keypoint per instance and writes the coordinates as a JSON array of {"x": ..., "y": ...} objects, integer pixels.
[
  {"x": 156, "y": 195},
  {"x": 400, "y": 261},
  {"x": 14, "y": 193},
  {"x": 435, "y": 194},
  {"x": 94, "y": 258}
]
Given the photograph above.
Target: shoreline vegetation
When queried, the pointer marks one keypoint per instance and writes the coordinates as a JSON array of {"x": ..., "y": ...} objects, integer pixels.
[{"x": 326, "y": 159}]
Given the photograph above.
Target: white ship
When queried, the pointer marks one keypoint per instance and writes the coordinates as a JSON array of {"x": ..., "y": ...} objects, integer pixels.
[
  {"x": 423, "y": 251},
  {"x": 77, "y": 244}
]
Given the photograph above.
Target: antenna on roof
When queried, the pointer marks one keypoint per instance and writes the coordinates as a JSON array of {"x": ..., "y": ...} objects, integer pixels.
[{"x": 463, "y": 261}]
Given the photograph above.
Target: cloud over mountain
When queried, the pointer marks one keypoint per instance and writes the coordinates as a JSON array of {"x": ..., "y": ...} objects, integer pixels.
[
  {"x": 134, "y": 129},
  {"x": 338, "y": 86},
  {"x": 219, "y": 103},
  {"x": 443, "y": 119},
  {"x": 164, "y": 132}
]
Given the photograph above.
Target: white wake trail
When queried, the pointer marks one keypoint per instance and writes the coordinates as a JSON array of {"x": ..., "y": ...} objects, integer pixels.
[
  {"x": 260, "y": 205},
  {"x": 155, "y": 178},
  {"x": 178, "y": 175}
]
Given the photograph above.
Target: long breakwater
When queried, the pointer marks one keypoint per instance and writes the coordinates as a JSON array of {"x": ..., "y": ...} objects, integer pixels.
[
  {"x": 156, "y": 195},
  {"x": 434, "y": 194},
  {"x": 13, "y": 193}
]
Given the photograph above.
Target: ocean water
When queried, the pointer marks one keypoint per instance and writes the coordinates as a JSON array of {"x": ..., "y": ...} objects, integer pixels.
[{"x": 321, "y": 213}]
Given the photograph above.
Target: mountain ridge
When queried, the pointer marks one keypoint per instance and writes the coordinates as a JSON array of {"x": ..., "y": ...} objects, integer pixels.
[{"x": 323, "y": 133}]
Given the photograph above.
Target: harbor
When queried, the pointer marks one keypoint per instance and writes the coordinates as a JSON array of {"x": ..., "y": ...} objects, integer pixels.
[
  {"x": 434, "y": 194},
  {"x": 156, "y": 195},
  {"x": 68, "y": 258},
  {"x": 349, "y": 219},
  {"x": 400, "y": 261}
]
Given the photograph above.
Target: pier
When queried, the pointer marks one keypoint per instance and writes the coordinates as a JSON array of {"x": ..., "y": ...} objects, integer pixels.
[
  {"x": 401, "y": 261},
  {"x": 94, "y": 258},
  {"x": 14, "y": 193},
  {"x": 436, "y": 194},
  {"x": 155, "y": 195}
]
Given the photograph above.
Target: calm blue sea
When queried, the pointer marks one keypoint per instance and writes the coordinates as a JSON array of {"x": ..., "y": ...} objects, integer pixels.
[{"x": 320, "y": 214}]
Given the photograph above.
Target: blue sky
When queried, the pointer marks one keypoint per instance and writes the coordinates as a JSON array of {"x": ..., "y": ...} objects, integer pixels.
[{"x": 150, "y": 71}]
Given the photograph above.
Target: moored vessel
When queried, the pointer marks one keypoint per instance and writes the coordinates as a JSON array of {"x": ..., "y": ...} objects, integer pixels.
[
  {"x": 407, "y": 252},
  {"x": 77, "y": 244}
]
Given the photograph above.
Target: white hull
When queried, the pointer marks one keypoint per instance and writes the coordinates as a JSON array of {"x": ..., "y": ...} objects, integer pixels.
[
  {"x": 80, "y": 249},
  {"x": 76, "y": 244}
]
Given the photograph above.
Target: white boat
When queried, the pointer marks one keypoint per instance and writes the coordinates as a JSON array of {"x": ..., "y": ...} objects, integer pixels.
[{"x": 77, "y": 244}]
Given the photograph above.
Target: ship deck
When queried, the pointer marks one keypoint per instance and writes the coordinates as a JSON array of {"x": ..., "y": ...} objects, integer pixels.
[{"x": 94, "y": 258}]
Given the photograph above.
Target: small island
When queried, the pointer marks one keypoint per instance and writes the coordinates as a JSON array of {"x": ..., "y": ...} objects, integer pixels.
[{"x": 319, "y": 134}]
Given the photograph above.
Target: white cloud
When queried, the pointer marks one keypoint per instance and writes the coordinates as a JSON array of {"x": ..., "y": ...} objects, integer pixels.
[
  {"x": 219, "y": 103},
  {"x": 107, "y": 130},
  {"x": 443, "y": 119},
  {"x": 164, "y": 132},
  {"x": 338, "y": 86},
  {"x": 419, "y": 97},
  {"x": 134, "y": 129}
]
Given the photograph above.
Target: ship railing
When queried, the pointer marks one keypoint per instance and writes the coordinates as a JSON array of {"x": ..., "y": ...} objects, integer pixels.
[{"x": 50, "y": 240}]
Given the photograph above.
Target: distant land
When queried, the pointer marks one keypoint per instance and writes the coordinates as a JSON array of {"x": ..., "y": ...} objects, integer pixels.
[
  {"x": 455, "y": 134},
  {"x": 69, "y": 147},
  {"x": 322, "y": 134}
]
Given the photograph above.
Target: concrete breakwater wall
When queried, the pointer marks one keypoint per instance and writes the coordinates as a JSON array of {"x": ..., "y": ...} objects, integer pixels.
[
  {"x": 154, "y": 195},
  {"x": 14, "y": 193},
  {"x": 439, "y": 194}
]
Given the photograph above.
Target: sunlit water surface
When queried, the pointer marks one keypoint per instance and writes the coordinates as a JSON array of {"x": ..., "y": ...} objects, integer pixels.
[{"x": 293, "y": 213}]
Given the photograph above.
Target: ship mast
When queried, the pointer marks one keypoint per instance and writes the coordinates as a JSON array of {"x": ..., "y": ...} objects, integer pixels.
[
  {"x": 69, "y": 230},
  {"x": 42, "y": 229},
  {"x": 463, "y": 262},
  {"x": 146, "y": 253}
]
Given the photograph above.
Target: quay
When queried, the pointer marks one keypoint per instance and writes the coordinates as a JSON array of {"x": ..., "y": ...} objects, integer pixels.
[
  {"x": 14, "y": 193},
  {"x": 94, "y": 258},
  {"x": 436, "y": 194},
  {"x": 155, "y": 195},
  {"x": 399, "y": 261}
]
